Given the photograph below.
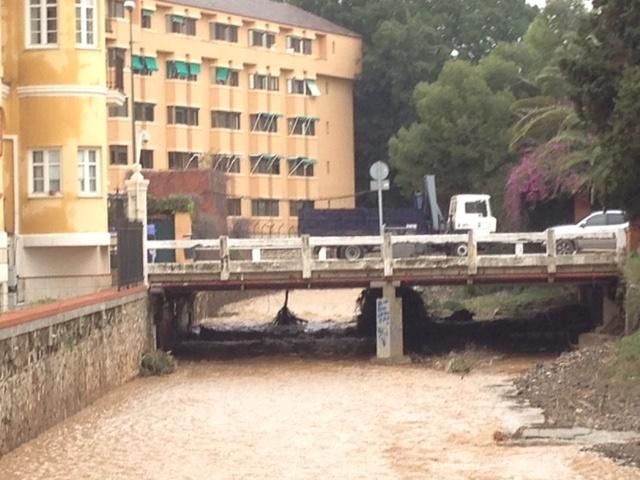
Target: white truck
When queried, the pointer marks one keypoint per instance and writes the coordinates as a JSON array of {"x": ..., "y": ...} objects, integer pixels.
[{"x": 466, "y": 212}]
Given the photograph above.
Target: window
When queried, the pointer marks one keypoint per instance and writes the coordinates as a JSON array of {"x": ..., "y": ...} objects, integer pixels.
[
  {"x": 296, "y": 205},
  {"x": 299, "y": 45},
  {"x": 146, "y": 158},
  {"x": 144, "y": 112},
  {"x": 116, "y": 8},
  {"x": 147, "y": 15},
  {"x": 45, "y": 172},
  {"x": 234, "y": 207},
  {"x": 297, "y": 87},
  {"x": 264, "y": 82},
  {"x": 182, "y": 116},
  {"x": 226, "y": 162},
  {"x": 88, "y": 170},
  {"x": 116, "y": 56},
  {"x": 264, "y": 122},
  {"x": 178, "y": 70},
  {"x": 225, "y": 76},
  {"x": 265, "y": 208},
  {"x": 615, "y": 218},
  {"x": 303, "y": 87},
  {"x": 119, "y": 110},
  {"x": 43, "y": 22},
  {"x": 259, "y": 38},
  {"x": 224, "y": 32},
  {"x": 596, "y": 220},
  {"x": 183, "y": 160},
  {"x": 301, "y": 167},
  {"x": 222, "y": 119},
  {"x": 265, "y": 164},
  {"x": 118, "y": 155},
  {"x": 85, "y": 23},
  {"x": 478, "y": 208},
  {"x": 302, "y": 126},
  {"x": 180, "y": 24}
]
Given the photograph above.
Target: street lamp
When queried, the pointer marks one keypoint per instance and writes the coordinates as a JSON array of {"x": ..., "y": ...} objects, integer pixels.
[{"x": 130, "y": 5}]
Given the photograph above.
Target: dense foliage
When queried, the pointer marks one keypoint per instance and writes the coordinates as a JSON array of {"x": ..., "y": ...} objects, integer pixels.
[
  {"x": 407, "y": 42},
  {"x": 605, "y": 75}
]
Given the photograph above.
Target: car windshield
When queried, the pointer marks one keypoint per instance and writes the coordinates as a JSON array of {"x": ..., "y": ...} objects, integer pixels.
[{"x": 479, "y": 207}]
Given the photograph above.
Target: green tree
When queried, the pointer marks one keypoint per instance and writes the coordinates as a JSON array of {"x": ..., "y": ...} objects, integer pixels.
[
  {"x": 462, "y": 132},
  {"x": 604, "y": 74},
  {"x": 407, "y": 42}
]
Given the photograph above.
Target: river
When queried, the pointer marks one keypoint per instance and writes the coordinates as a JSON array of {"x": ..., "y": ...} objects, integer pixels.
[{"x": 287, "y": 418}]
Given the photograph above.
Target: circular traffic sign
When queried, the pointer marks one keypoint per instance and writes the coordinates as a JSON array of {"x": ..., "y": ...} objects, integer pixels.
[{"x": 379, "y": 171}]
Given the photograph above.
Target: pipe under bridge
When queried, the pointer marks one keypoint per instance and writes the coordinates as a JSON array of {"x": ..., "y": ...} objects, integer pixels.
[{"x": 310, "y": 262}]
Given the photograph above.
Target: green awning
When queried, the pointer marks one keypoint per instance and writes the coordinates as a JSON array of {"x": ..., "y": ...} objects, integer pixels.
[
  {"x": 146, "y": 12},
  {"x": 137, "y": 63},
  {"x": 222, "y": 74},
  {"x": 151, "y": 64},
  {"x": 181, "y": 68},
  {"x": 177, "y": 18},
  {"x": 194, "y": 69},
  {"x": 271, "y": 114},
  {"x": 312, "y": 85}
]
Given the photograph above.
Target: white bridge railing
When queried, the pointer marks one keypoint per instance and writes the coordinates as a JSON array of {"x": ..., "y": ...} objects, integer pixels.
[{"x": 308, "y": 254}]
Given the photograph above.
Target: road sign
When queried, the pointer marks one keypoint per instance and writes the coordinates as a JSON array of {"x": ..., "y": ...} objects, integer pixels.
[
  {"x": 380, "y": 184},
  {"x": 379, "y": 171}
]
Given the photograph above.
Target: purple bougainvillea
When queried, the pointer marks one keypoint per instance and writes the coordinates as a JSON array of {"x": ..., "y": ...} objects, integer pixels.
[{"x": 538, "y": 177}]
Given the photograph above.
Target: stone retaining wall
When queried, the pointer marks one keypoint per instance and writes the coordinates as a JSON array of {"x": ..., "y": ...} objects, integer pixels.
[{"x": 56, "y": 359}]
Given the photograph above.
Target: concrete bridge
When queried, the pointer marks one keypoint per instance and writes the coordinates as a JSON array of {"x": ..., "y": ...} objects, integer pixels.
[{"x": 310, "y": 262}]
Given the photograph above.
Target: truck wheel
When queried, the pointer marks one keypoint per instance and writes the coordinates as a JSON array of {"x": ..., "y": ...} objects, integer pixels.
[
  {"x": 461, "y": 250},
  {"x": 351, "y": 252},
  {"x": 565, "y": 247}
]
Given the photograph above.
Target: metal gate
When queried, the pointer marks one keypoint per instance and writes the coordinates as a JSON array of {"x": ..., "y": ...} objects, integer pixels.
[{"x": 130, "y": 254}]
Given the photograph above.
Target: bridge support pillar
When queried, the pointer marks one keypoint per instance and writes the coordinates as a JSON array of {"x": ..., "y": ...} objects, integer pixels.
[{"x": 389, "y": 324}]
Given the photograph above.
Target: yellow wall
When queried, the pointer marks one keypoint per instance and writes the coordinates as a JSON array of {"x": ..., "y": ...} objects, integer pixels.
[
  {"x": 68, "y": 118},
  {"x": 335, "y": 63}
]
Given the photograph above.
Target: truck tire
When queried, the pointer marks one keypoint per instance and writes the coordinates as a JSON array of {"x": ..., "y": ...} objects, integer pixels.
[
  {"x": 351, "y": 252},
  {"x": 461, "y": 250}
]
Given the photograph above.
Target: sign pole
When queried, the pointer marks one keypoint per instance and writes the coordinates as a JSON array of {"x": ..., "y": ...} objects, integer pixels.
[
  {"x": 379, "y": 172},
  {"x": 380, "y": 221}
]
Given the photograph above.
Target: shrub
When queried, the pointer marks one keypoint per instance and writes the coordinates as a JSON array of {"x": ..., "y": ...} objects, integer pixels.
[{"x": 157, "y": 363}]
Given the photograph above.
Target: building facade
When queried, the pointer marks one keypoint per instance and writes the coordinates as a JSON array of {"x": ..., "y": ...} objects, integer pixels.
[
  {"x": 54, "y": 148},
  {"x": 259, "y": 90}
]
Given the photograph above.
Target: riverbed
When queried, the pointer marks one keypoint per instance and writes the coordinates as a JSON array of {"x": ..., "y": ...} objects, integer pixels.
[{"x": 288, "y": 418}]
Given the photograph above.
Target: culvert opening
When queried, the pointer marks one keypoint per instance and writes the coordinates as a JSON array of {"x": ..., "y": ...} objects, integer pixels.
[{"x": 308, "y": 325}]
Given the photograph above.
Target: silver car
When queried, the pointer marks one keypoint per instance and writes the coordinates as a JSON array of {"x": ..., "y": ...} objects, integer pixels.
[{"x": 609, "y": 221}]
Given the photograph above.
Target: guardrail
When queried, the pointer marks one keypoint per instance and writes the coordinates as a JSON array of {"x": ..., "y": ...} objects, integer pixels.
[{"x": 392, "y": 253}]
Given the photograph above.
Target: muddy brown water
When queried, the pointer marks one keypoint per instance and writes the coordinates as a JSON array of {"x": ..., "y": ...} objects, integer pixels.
[{"x": 287, "y": 418}]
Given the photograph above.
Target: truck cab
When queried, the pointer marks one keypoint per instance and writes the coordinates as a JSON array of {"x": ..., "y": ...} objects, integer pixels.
[{"x": 471, "y": 212}]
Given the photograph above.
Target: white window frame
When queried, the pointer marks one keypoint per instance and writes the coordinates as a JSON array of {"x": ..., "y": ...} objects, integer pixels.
[
  {"x": 46, "y": 172},
  {"x": 84, "y": 171},
  {"x": 83, "y": 7},
  {"x": 42, "y": 6}
]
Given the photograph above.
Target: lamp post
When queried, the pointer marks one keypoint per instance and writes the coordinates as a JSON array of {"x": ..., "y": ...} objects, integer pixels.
[{"x": 130, "y": 5}]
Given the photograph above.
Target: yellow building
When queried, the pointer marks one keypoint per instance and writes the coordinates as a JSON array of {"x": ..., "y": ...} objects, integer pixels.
[
  {"x": 54, "y": 146},
  {"x": 260, "y": 90}
]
